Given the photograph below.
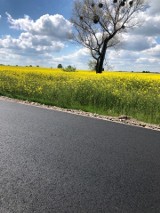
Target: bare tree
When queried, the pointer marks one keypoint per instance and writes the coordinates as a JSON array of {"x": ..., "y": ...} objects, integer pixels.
[{"x": 98, "y": 24}]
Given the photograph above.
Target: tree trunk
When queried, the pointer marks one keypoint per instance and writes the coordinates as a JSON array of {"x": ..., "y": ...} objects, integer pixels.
[
  {"x": 100, "y": 61},
  {"x": 97, "y": 66}
]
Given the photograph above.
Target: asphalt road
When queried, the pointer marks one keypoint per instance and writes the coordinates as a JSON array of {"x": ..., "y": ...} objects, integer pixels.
[{"x": 53, "y": 161}]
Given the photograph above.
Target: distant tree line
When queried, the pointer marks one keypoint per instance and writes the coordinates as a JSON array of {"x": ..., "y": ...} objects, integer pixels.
[{"x": 69, "y": 68}]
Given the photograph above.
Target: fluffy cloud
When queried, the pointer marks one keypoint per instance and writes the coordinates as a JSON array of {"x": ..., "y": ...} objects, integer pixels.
[
  {"x": 150, "y": 25},
  {"x": 154, "y": 52},
  {"x": 54, "y": 26},
  {"x": 48, "y": 34},
  {"x": 134, "y": 42},
  {"x": 24, "y": 24},
  {"x": 30, "y": 43}
]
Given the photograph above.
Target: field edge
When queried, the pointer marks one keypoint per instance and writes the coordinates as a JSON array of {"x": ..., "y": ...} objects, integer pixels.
[{"x": 123, "y": 119}]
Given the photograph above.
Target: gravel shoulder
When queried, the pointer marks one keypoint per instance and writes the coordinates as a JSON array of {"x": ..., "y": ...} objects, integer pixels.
[{"x": 121, "y": 119}]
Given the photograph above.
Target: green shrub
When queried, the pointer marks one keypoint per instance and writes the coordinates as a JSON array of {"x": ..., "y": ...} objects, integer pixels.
[
  {"x": 59, "y": 66},
  {"x": 69, "y": 69}
]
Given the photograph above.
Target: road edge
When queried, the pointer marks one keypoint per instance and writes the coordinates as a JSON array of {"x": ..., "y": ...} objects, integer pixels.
[{"x": 122, "y": 119}]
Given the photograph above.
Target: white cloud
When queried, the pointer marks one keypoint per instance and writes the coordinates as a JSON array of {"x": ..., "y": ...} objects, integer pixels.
[
  {"x": 134, "y": 42},
  {"x": 48, "y": 34},
  {"x": 24, "y": 24},
  {"x": 55, "y": 26},
  {"x": 154, "y": 7},
  {"x": 30, "y": 43},
  {"x": 147, "y": 60},
  {"x": 153, "y": 52},
  {"x": 150, "y": 26}
]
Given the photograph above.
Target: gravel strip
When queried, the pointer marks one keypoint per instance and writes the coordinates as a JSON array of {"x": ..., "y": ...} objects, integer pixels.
[{"x": 121, "y": 119}]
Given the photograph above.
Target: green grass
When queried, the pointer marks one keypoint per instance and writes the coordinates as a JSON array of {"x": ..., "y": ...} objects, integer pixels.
[{"x": 135, "y": 95}]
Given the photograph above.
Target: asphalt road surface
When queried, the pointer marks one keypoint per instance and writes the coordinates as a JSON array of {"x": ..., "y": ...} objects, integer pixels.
[{"x": 54, "y": 161}]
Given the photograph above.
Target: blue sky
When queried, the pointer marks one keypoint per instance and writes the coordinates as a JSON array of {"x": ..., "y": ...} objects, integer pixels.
[{"x": 38, "y": 32}]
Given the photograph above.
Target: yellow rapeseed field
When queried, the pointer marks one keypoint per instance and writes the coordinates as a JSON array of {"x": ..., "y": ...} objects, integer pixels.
[{"x": 112, "y": 93}]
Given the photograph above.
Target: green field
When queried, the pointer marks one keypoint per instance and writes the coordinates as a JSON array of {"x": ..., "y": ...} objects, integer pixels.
[{"x": 111, "y": 93}]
